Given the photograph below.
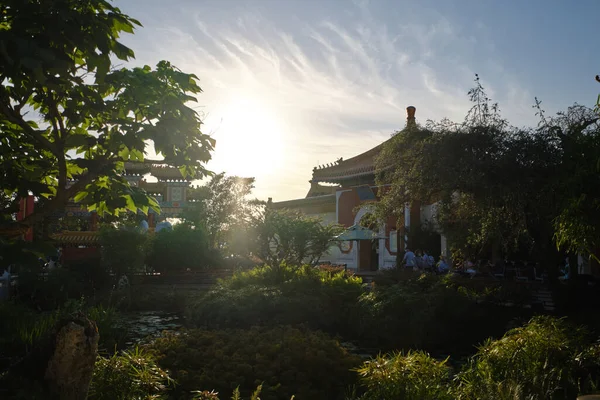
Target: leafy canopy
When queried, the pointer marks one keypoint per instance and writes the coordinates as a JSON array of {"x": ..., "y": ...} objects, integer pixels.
[
  {"x": 291, "y": 237},
  {"x": 70, "y": 118},
  {"x": 223, "y": 208},
  {"x": 498, "y": 188}
]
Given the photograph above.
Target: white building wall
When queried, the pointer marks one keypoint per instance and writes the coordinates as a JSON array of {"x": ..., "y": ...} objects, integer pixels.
[{"x": 428, "y": 213}]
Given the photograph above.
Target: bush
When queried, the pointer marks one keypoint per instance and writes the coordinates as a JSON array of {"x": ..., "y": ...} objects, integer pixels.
[
  {"x": 123, "y": 250},
  {"x": 482, "y": 290},
  {"x": 112, "y": 334},
  {"x": 127, "y": 376},
  {"x": 546, "y": 359},
  {"x": 28, "y": 327},
  {"x": 212, "y": 395},
  {"x": 421, "y": 311},
  {"x": 22, "y": 328},
  {"x": 285, "y": 360},
  {"x": 50, "y": 291},
  {"x": 91, "y": 274},
  {"x": 180, "y": 249},
  {"x": 280, "y": 296},
  {"x": 425, "y": 312},
  {"x": 414, "y": 376}
]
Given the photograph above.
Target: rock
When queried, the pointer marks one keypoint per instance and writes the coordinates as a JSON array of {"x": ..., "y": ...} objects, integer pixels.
[{"x": 70, "y": 367}]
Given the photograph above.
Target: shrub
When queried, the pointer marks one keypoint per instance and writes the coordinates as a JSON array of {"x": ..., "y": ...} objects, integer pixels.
[
  {"x": 180, "y": 249},
  {"x": 414, "y": 376},
  {"x": 22, "y": 328},
  {"x": 47, "y": 292},
  {"x": 423, "y": 311},
  {"x": 112, "y": 334},
  {"x": 281, "y": 296},
  {"x": 123, "y": 250},
  {"x": 285, "y": 360},
  {"x": 28, "y": 327},
  {"x": 127, "y": 376},
  {"x": 546, "y": 359},
  {"x": 212, "y": 395},
  {"x": 91, "y": 274},
  {"x": 420, "y": 311}
]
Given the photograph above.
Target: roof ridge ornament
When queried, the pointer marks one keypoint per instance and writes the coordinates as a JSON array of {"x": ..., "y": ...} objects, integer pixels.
[{"x": 410, "y": 116}]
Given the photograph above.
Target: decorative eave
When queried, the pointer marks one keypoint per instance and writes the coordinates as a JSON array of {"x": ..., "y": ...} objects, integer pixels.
[
  {"x": 321, "y": 190},
  {"x": 153, "y": 187},
  {"x": 360, "y": 165},
  {"x": 159, "y": 169},
  {"x": 82, "y": 238}
]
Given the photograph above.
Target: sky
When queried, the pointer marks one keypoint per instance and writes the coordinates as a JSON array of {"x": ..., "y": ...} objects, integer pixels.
[{"x": 291, "y": 84}]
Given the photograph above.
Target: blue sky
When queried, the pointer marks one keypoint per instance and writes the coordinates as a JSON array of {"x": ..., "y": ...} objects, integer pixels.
[{"x": 290, "y": 84}]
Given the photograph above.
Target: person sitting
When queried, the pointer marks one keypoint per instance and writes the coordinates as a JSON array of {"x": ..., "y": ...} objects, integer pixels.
[
  {"x": 442, "y": 266},
  {"x": 469, "y": 268},
  {"x": 565, "y": 271}
]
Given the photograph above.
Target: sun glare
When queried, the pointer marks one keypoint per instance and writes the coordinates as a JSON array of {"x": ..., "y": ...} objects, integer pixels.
[{"x": 249, "y": 139}]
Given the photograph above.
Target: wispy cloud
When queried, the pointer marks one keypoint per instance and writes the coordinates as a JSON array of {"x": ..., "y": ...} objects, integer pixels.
[{"x": 333, "y": 89}]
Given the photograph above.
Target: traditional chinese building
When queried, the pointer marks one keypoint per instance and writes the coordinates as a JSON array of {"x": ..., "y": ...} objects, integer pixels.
[
  {"x": 75, "y": 228},
  {"x": 344, "y": 192}
]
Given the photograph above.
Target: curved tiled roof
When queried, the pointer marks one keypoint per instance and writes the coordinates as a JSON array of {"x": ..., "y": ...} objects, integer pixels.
[
  {"x": 360, "y": 165},
  {"x": 158, "y": 169}
]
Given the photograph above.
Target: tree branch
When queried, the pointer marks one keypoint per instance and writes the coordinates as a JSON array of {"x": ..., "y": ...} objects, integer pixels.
[
  {"x": 63, "y": 132},
  {"x": 62, "y": 197},
  {"x": 23, "y": 101},
  {"x": 36, "y": 135},
  {"x": 59, "y": 135}
]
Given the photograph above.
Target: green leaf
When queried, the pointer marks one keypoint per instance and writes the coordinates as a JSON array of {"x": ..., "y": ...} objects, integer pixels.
[
  {"x": 80, "y": 196},
  {"x": 130, "y": 204}
]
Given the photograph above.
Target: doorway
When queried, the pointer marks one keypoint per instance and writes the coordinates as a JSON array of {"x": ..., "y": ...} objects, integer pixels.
[{"x": 368, "y": 250}]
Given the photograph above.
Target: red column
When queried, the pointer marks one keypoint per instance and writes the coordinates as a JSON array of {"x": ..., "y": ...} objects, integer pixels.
[
  {"x": 94, "y": 221},
  {"x": 151, "y": 221},
  {"x": 26, "y": 209}
]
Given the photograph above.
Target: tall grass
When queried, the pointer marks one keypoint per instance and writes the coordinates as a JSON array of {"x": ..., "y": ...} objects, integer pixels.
[
  {"x": 411, "y": 376},
  {"x": 128, "y": 375},
  {"x": 23, "y": 327},
  {"x": 546, "y": 359}
]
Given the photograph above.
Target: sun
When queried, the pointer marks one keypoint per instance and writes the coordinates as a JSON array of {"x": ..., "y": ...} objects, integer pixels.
[{"x": 250, "y": 140}]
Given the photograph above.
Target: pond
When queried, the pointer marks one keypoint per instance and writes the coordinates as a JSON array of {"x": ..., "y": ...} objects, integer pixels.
[{"x": 145, "y": 325}]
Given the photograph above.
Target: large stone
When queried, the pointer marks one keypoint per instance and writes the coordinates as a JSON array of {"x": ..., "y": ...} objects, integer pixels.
[{"x": 69, "y": 370}]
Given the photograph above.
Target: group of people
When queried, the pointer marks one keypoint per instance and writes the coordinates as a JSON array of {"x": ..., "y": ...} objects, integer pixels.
[{"x": 420, "y": 260}]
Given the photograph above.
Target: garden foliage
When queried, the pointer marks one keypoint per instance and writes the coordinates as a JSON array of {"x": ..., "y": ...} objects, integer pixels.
[
  {"x": 286, "y": 361},
  {"x": 285, "y": 295},
  {"x": 129, "y": 375},
  {"x": 545, "y": 359},
  {"x": 411, "y": 376}
]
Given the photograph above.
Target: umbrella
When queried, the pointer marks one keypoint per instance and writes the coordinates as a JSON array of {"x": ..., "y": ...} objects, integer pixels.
[{"x": 358, "y": 233}]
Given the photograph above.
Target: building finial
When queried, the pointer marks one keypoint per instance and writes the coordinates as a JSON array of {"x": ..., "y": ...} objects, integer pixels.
[{"x": 410, "y": 116}]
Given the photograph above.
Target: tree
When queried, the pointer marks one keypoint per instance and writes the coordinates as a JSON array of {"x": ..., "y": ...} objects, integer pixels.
[
  {"x": 598, "y": 99},
  {"x": 123, "y": 249},
  {"x": 501, "y": 190},
  {"x": 577, "y": 225},
  {"x": 468, "y": 169},
  {"x": 289, "y": 236},
  {"x": 222, "y": 207},
  {"x": 181, "y": 249},
  {"x": 70, "y": 118}
]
